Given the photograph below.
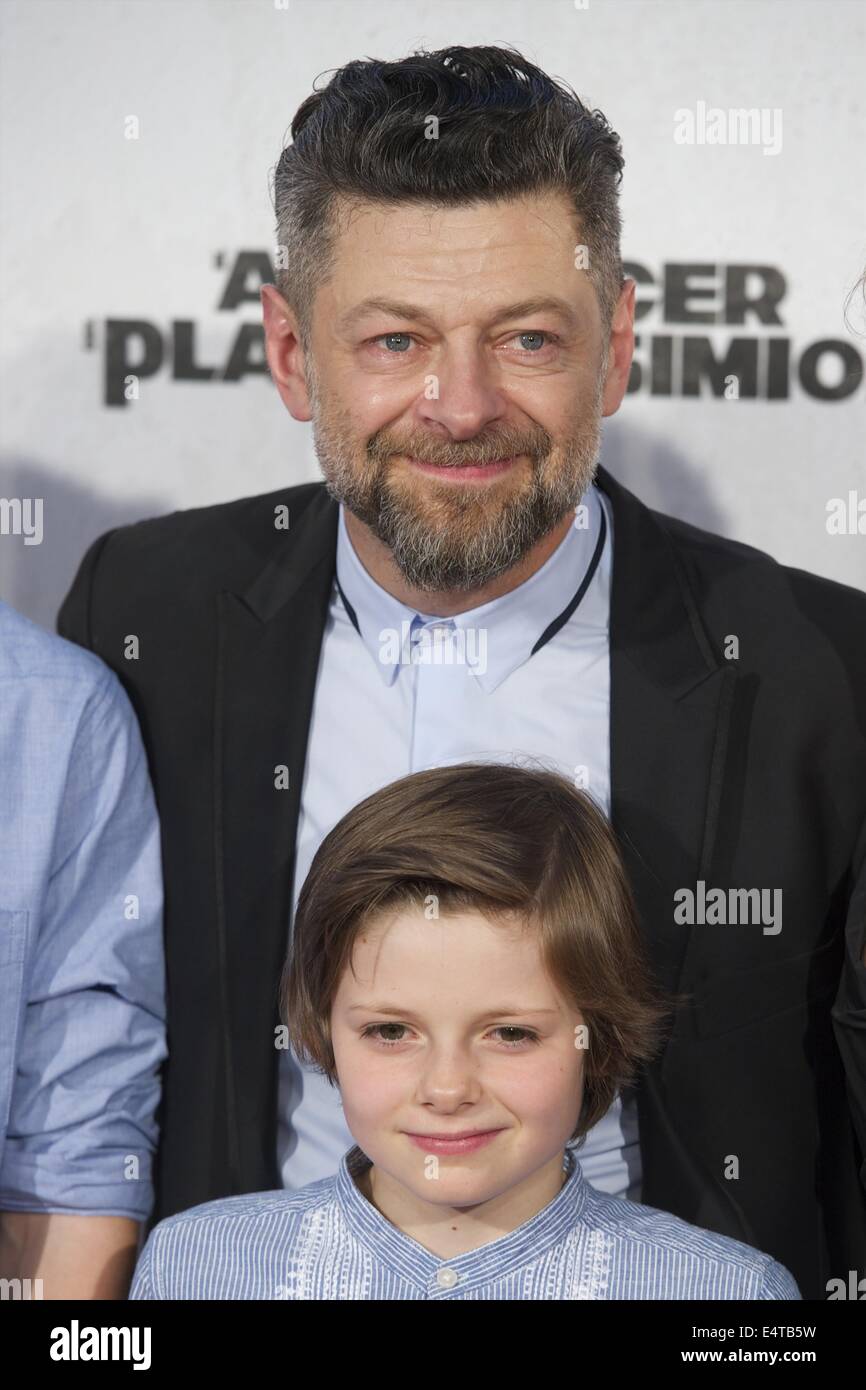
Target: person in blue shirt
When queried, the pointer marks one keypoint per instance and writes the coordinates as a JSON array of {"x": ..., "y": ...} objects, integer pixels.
[
  {"x": 466, "y": 966},
  {"x": 82, "y": 974}
]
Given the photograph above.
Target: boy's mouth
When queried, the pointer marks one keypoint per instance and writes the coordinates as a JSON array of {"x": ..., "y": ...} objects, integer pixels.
[{"x": 466, "y": 1141}]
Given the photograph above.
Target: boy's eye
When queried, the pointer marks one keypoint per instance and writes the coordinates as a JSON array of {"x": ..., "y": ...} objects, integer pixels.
[
  {"x": 374, "y": 1030},
  {"x": 526, "y": 1035}
]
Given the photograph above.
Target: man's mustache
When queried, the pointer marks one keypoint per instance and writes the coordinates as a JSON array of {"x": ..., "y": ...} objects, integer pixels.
[{"x": 491, "y": 452}]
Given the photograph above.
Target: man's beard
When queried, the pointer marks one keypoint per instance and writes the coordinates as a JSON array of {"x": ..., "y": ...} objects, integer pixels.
[{"x": 445, "y": 536}]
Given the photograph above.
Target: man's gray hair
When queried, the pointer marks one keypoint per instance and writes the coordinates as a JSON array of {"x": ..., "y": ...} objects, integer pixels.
[{"x": 453, "y": 127}]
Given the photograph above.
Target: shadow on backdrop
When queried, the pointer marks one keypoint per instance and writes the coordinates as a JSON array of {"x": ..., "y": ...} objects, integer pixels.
[{"x": 35, "y": 578}]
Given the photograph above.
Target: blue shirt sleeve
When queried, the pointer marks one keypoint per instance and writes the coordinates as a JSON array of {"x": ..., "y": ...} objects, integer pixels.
[
  {"x": 82, "y": 1127},
  {"x": 778, "y": 1282},
  {"x": 143, "y": 1287}
]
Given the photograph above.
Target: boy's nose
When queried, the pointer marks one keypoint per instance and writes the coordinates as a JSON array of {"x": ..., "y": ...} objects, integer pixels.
[{"x": 449, "y": 1080}]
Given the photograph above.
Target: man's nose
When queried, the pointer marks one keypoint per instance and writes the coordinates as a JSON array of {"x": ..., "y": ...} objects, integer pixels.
[{"x": 462, "y": 394}]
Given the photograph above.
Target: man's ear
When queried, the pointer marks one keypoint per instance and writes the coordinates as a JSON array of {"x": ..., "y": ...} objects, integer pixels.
[
  {"x": 620, "y": 350},
  {"x": 284, "y": 353}
]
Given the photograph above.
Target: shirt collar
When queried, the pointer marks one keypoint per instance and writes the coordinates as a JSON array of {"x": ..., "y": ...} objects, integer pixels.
[
  {"x": 410, "y": 1260},
  {"x": 509, "y": 626}
]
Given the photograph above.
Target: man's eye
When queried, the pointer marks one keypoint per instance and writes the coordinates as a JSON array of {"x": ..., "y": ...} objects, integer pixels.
[
  {"x": 531, "y": 341},
  {"x": 388, "y": 339},
  {"x": 535, "y": 333}
]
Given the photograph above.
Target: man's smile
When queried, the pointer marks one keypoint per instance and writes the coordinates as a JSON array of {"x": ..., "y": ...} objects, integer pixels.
[{"x": 465, "y": 472}]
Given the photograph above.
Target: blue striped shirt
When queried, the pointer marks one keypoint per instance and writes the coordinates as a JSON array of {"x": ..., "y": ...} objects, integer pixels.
[
  {"x": 82, "y": 971},
  {"x": 327, "y": 1241}
]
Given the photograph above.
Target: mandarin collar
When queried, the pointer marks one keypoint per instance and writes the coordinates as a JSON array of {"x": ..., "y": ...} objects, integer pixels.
[{"x": 410, "y": 1260}]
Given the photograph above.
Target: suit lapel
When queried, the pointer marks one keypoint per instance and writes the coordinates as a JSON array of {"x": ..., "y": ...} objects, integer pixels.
[
  {"x": 671, "y": 699},
  {"x": 269, "y": 639},
  {"x": 676, "y": 773}
]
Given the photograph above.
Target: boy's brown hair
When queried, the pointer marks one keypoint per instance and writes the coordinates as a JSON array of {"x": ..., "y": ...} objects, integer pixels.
[{"x": 504, "y": 841}]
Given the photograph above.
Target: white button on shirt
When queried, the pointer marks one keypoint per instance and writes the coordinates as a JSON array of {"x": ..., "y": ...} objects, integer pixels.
[{"x": 407, "y": 691}]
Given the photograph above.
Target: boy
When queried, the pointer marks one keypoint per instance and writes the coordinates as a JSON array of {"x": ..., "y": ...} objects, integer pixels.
[{"x": 466, "y": 965}]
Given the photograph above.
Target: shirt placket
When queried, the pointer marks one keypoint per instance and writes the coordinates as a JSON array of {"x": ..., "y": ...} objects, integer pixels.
[{"x": 434, "y": 670}]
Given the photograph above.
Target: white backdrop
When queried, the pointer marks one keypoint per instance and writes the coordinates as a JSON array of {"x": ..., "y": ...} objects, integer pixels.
[{"x": 102, "y": 232}]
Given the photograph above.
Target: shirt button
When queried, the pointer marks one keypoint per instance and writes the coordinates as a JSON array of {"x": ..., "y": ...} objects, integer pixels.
[{"x": 447, "y": 1278}]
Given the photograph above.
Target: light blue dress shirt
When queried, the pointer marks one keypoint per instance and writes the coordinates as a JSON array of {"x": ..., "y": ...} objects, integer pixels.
[
  {"x": 327, "y": 1242},
  {"x": 379, "y": 713},
  {"x": 82, "y": 986}
]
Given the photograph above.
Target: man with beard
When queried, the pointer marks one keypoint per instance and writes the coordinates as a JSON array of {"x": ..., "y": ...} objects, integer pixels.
[{"x": 454, "y": 321}]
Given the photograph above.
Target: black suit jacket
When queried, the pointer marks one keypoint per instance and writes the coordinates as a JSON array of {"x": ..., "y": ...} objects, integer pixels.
[{"x": 745, "y": 772}]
